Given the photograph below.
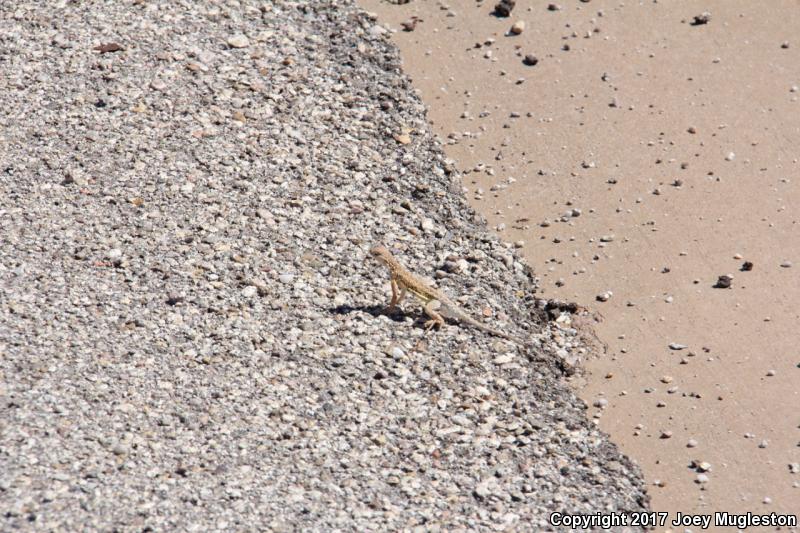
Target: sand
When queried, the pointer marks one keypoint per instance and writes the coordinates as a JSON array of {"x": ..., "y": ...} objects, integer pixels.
[{"x": 642, "y": 157}]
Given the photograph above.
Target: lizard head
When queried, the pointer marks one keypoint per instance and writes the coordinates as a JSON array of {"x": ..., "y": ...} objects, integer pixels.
[{"x": 379, "y": 253}]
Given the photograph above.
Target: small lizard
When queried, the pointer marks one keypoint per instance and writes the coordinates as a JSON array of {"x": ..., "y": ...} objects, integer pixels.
[{"x": 434, "y": 301}]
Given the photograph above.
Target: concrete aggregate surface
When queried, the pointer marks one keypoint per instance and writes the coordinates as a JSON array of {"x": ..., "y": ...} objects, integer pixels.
[{"x": 189, "y": 339}]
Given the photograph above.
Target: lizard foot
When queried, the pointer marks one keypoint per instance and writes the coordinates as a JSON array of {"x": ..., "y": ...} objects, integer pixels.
[{"x": 430, "y": 324}]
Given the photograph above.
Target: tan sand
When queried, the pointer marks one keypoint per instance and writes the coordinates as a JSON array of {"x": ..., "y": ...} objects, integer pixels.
[{"x": 679, "y": 144}]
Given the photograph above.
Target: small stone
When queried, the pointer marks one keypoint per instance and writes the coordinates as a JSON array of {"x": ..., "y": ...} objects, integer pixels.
[
  {"x": 677, "y": 346},
  {"x": 666, "y": 379},
  {"x": 785, "y": 45},
  {"x": 402, "y": 138},
  {"x": 767, "y": 500},
  {"x": 410, "y": 24},
  {"x": 485, "y": 488},
  {"x": 763, "y": 444},
  {"x": 553, "y": 7},
  {"x": 286, "y": 278},
  {"x": 771, "y": 372},
  {"x": 786, "y": 264},
  {"x": 249, "y": 291},
  {"x": 692, "y": 130},
  {"x": 747, "y": 266},
  {"x": 74, "y": 177},
  {"x": 503, "y": 359},
  {"x": 702, "y": 18},
  {"x": 109, "y": 47},
  {"x": 794, "y": 468},
  {"x": 518, "y": 27},
  {"x": 603, "y": 296},
  {"x": 504, "y": 8},
  {"x": 238, "y": 41},
  {"x": 530, "y": 60},
  {"x": 602, "y": 403},
  {"x": 724, "y": 282},
  {"x": 666, "y": 434},
  {"x": 730, "y": 157},
  {"x": 702, "y": 478},
  {"x": 691, "y": 443}
]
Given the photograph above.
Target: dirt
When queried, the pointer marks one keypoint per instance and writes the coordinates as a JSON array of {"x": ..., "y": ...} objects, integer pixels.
[{"x": 644, "y": 154}]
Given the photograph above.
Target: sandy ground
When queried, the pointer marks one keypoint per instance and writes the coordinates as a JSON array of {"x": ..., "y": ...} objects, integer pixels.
[{"x": 643, "y": 157}]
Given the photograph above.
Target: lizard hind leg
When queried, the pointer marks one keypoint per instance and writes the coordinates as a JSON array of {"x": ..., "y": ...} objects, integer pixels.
[{"x": 431, "y": 309}]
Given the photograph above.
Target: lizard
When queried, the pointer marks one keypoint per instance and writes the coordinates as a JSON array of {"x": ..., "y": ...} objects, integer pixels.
[{"x": 434, "y": 302}]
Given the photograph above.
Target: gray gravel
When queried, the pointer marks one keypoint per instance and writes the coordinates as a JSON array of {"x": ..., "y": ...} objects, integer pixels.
[{"x": 188, "y": 337}]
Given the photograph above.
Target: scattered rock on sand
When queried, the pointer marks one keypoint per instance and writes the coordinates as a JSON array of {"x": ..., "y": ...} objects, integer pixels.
[
  {"x": 723, "y": 282},
  {"x": 530, "y": 60},
  {"x": 518, "y": 27},
  {"x": 504, "y": 8},
  {"x": 702, "y": 18},
  {"x": 604, "y": 296},
  {"x": 410, "y": 24},
  {"x": 747, "y": 266}
]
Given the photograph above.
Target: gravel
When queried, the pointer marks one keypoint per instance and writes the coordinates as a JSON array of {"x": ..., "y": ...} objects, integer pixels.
[{"x": 188, "y": 337}]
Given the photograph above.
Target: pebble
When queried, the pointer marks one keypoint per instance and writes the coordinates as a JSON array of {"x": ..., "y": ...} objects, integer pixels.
[
  {"x": 518, "y": 27},
  {"x": 702, "y": 478},
  {"x": 504, "y": 8},
  {"x": 677, "y": 346},
  {"x": 702, "y": 466},
  {"x": 666, "y": 434},
  {"x": 724, "y": 282},
  {"x": 238, "y": 41},
  {"x": 786, "y": 264},
  {"x": 530, "y": 60},
  {"x": 701, "y": 19},
  {"x": 286, "y": 278},
  {"x": 691, "y": 443},
  {"x": 604, "y": 296}
]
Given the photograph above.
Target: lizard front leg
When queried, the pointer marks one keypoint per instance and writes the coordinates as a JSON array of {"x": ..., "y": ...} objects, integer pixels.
[
  {"x": 398, "y": 292},
  {"x": 431, "y": 309}
]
